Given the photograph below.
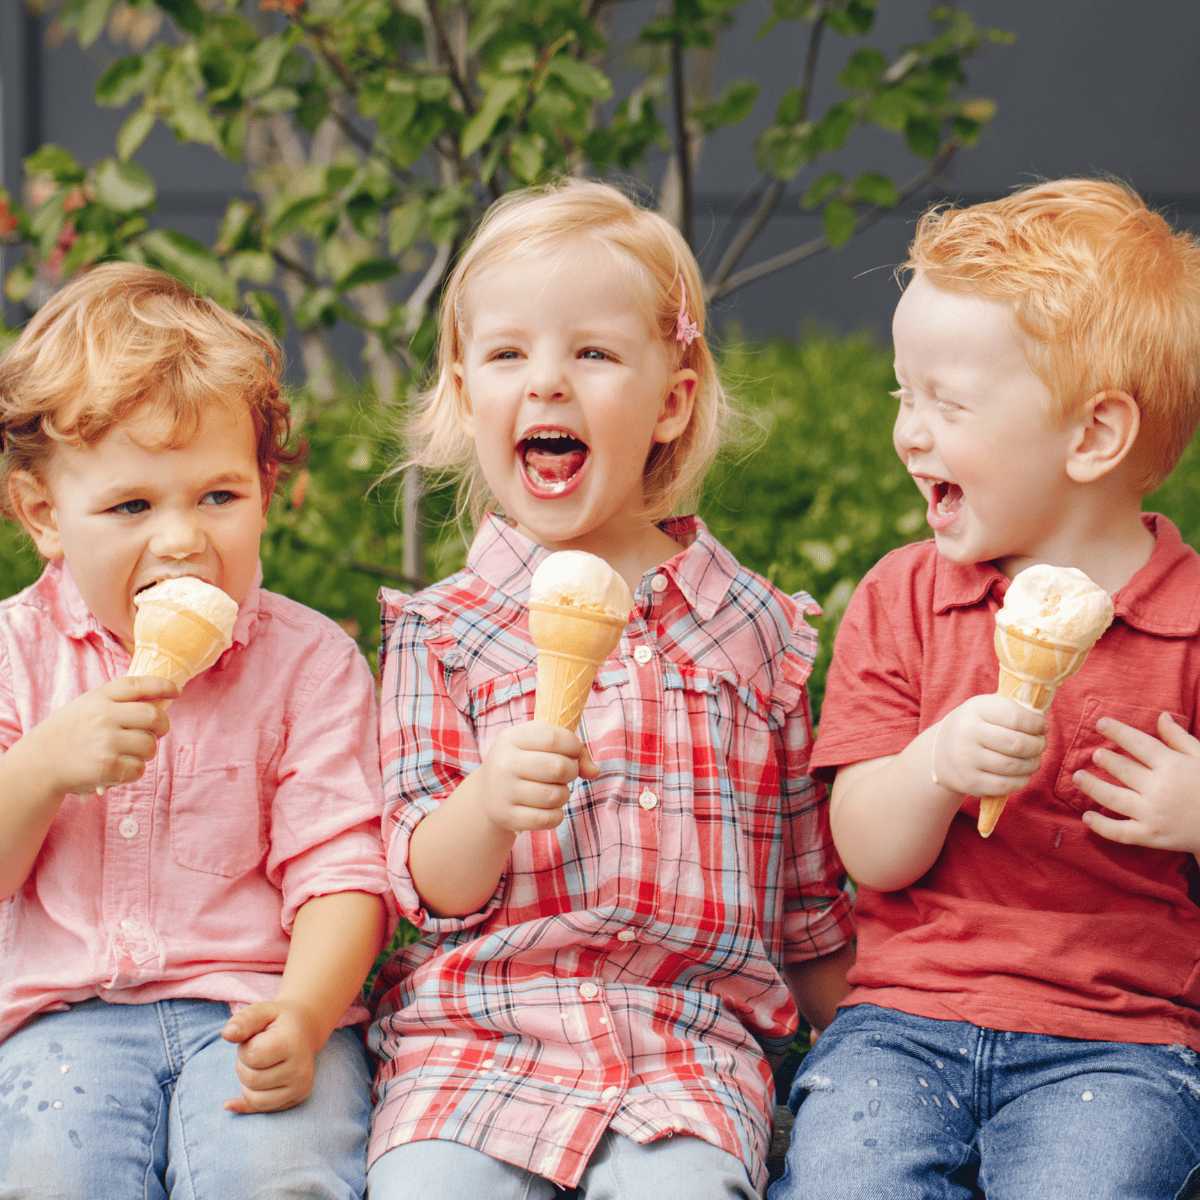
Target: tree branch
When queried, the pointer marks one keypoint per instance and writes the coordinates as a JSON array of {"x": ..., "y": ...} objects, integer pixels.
[
  {"x": 443, "y": 40},
  {"x": 683, "y": 146},
  {"x": 817, "y": 245},
  {"x": 741, "y": 243},
  {"x": 297, "y": 268}
]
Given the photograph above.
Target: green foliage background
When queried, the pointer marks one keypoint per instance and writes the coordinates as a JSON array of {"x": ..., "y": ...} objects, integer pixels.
[{"x": 809, "y": 493}]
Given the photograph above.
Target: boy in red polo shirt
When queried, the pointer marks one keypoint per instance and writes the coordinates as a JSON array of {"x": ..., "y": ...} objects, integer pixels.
[{"x": 1024, "y": 1015}]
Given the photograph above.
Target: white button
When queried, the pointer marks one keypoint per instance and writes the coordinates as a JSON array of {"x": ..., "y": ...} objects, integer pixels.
[
  {"x": 130, "y": 925},
  {"x": 611, "y": 1093},
  {"x": 558, "y": 1079},
  {"x": 648, "y": 799},
  {"x": 643, "y": 654},
  {"x": 658, "y": 583},
  {"x": 589, "y": 991},
  {"x": 626, "y": 935},
  {"x": 128, "y": 827}
]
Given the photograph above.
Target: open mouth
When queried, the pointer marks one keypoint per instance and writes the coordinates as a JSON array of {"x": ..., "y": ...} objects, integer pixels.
[
  {"x": 553, "y": 461},
  {"x": 945, "y": 501}
]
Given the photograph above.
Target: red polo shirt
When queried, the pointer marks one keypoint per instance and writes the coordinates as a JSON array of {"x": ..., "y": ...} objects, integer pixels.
[{"x": 1044, "y": 927}]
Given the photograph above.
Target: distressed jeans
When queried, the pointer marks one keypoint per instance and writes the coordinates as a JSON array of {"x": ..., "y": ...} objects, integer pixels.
[
  {"x": 123, "y": 1101},
  {"x": 895, "y": 1107}
]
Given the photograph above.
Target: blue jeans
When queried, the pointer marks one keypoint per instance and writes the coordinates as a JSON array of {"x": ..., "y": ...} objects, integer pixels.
[
  {"x": 117, "y": 1101},
  {"x": 677, "y": 1168},
  {"x": 895, "y": 1107}
]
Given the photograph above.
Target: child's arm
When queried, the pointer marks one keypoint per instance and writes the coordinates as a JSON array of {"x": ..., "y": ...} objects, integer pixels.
[
  {"x": 818, "y": 984},
  {"x": 1161, "y": 792},
  {"x": 890, "y": 815},
  {"x": 458, "y": 852},
  {"x": 334, "y": 942},
  {"x": 103, "y": 738}
]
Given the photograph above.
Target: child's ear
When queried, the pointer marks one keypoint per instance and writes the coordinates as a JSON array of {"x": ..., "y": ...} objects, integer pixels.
[
  {"x": 466, "y": 420},
  {"x": 34, "y": 506},
  {"x": 678, "y": 402},
  {"x": 1106, "y": 431}
]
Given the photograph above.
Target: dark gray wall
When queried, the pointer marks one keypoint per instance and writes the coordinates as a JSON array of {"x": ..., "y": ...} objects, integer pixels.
[{"x": 1089, "y": 86}]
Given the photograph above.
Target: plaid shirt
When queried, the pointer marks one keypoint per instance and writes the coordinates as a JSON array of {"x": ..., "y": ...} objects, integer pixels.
[{"x": 627, "y": 970}]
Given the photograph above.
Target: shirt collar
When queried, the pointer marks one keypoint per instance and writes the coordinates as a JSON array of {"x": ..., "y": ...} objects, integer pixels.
[
  {"x": 1162, "y": 598},
  {"x": 703, "y": 570},
  {"x": 58, "y": 595}
]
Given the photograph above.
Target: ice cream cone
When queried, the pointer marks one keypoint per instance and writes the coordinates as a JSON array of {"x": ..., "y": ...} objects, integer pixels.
[
  {"x": 1031, "y": 672},
  {"x": 173, "y": 640},
  {"x": 572, "y": 643}
]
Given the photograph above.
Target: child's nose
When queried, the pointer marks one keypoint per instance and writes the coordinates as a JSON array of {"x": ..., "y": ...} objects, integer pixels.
[
  {"x": 547, "y": 380},
  {"x": 175, "y": 536},
  {"x": 912, "y": 432}
]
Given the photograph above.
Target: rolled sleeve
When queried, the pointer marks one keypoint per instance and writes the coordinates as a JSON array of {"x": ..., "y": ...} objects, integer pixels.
[
  {"x": 427, "y": 746},
  {"x": 325, "y": 816}
]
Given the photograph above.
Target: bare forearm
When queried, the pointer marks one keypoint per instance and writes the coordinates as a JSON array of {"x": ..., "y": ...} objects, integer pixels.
[
  {"x": 457, "y": 855},
  {"x": 818, "y": 984},
  {"x": 889, "y": 818},
  {"x": 335, "y": 939}
]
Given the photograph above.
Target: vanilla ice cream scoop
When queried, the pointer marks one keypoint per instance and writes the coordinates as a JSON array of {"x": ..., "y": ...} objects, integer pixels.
[
  {"x": 580, "y": 580},
  {"x": 578, "y": 608},
  {"x": 1050, "y": 620},
  {"x": 181, "y": 628},
  {"x": 1057, "y": 604}
]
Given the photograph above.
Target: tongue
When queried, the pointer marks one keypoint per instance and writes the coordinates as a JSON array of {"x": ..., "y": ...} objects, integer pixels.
[{"x": 552, "y": 467}]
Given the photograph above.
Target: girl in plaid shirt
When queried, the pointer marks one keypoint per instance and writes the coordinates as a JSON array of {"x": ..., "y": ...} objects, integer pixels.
[{"x": 617, "y": 937}]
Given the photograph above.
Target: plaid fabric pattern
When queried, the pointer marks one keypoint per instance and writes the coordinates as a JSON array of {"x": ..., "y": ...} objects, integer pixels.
[{"x": 627, "y": 971}]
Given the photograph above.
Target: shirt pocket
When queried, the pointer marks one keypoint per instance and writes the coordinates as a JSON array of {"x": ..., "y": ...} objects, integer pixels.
[
  {"x": 218, "y": 811},
  {"x": 1078, "y": 756},
  {"x": 501, "y": 702}
]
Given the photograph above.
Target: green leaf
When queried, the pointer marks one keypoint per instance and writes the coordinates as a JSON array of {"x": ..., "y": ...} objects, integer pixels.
[
  {"x": 788, "y": 112},
  {"x": 265, "y": 308},
  {"x": 734, "y": 104},
  {"x": 527, "y": 156},
  {"x": 194, "y": 124},
  {"x": 187, "y": 259},
  {"x": 863, "y": 70},
  {"x": 479, "y": 128},
  {"x": 134, "y": 132},
  {"x": 126, "y": 78},
  {"x": 372, "y": 270},
  {"x": 832, "y": 132},
  {"x": 313, "y": 107},
  {"x": 821, "y": 188},
  {"x": 254, "y": 265},
  {"x": 839, "y": 222},
  {"x": 19, "y": 281},
  {"x": 979, "y": 110},
  {"x": 580, "y": 77},
  {"x": 922, "y": 135},
  {"x": 122, "y": 186},
  {"x": 280, "y": 99},
  {"x": 86, "y": 248},
  {"x": 404, "y": 225},
  {"x": 189, "y": 16},
  {"x": 56, "y": 162},
  {"x": 263, "y": 63},
  {"x": 316, "y": 305},
  {"x": 293, "y": 216},
  {"x": 876, "y": 189},
  {"x": 889, "y": 110},
  {"x": 87, "y": 18}
]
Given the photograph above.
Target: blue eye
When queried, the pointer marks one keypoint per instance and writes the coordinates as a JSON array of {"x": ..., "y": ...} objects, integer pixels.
[
  {"x": 593, "y": 354},
  {"x": 220, "y": 497},
  {"x": 130, "y": 508}
]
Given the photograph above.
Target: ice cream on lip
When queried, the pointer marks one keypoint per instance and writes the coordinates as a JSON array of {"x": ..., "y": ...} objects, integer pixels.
[{"x": 182, "y": 626}]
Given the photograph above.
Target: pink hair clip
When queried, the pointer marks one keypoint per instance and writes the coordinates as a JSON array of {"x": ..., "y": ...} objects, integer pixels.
[{"x": 685, "y": 331}]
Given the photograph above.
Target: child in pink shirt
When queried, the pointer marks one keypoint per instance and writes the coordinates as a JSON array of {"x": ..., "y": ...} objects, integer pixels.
[{"x": 192, "y": 897}]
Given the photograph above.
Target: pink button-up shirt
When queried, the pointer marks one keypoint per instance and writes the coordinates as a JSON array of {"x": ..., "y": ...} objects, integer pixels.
[{"x": 184, "y": 883}]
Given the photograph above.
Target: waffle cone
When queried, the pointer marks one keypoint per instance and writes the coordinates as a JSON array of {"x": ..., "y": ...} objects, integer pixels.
[
  {"x": 572, "y": 643},
  {"x": 173, "y": 642},
  {"x": 1031, "y": 672}
]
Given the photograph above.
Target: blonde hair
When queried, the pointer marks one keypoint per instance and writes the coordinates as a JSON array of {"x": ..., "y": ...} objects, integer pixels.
[
  {"x": 1107, "y": 293},
  {"x": 121, "y": 337},
  {"x": 557, "y": 217}
]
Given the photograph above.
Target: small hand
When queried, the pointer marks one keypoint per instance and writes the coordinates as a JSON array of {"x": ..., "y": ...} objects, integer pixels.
[
  {"x": 988, "y": 746},
  {"x": 1161, "y": 793},
  {"x": 275, "y": 1056},
  {"x": 527, "y": 772},
  {"x": 106, "y": 736}
]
